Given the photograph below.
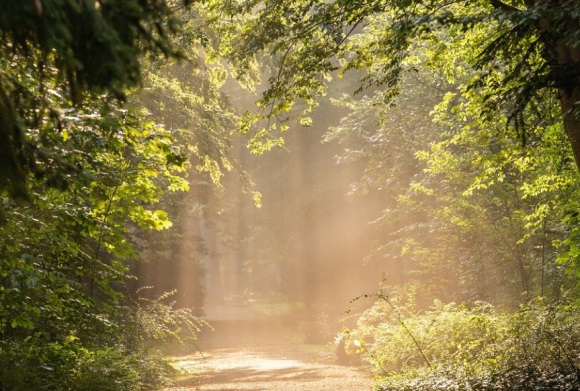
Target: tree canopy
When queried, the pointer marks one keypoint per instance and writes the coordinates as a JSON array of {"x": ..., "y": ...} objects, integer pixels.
[
  {"x": 68, "y": 48},
  {"x": 526, "y": 50}
]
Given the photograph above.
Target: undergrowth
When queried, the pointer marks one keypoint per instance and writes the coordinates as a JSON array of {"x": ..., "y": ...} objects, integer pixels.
[
  {"x": 471, "y": 348},
  {"x": 117, "y": 351}
]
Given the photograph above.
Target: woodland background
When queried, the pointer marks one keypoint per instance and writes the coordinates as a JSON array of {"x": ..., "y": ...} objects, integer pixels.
[{"x": 158, "y": 156}]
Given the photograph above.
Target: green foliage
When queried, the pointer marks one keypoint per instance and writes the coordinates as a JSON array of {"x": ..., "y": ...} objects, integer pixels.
[
  {"x": 37, "y": 365},
  {"x": 188, "y": 101},
  {"x": 64, "y": 239},
  {"x": 64, "y": 251},
  {"x": 64, "y": 48},
  {"x": 463, "y": 132},
  {"x": 129, "y": 363},
  {"x": 92, "y": 44},
  {"x": 471, "y": 348},
  {"x": 470, "y": 203},
  {"x": 83, "y": 176},
  {"x": 523, "y": 52},
  {"x": 150, "y": 323}
]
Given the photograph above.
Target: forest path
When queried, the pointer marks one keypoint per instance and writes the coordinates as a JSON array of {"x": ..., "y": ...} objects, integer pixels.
[
  {"x": 253, "y": 353},
  {"x": 274, "y": 368}
]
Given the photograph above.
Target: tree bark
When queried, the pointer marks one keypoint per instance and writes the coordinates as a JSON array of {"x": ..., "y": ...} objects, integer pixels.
[
  {"x": 568, "y": 57},
  {"x": 565, "y": 60},
  {"x": 570, "y": 103}
]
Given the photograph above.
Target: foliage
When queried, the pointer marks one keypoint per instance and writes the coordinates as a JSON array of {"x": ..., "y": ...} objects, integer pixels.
[
  {"x": 36, "y": 365},
  {"x": 463, "y": 132},
  {"x": 68, "y": 48},
  {"x": 472, "y": 166},
  {"x": 471, "y": 348},
  {"x": 129, "y": 363},
  {"x": 64, "y": 251},
  {"x": 80, "y": 233},
  {"x": 150, "y": 323},
  {"x": 86, "y": 171},
  {"x": 473, "y": 209},
  {"x": 187, "y": 98},
  {"x": 528, "y": 51}
]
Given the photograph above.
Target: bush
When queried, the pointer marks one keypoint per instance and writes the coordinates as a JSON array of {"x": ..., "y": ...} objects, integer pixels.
[
  {"x": 124, "y": 360},
  {"x": 475, "y": 348},
  {"x": 37, "y": 365}
]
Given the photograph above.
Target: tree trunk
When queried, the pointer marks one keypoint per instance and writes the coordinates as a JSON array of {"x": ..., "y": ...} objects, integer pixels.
[
  {"x": 568, "y": 58},
  {"x": 565, "y": 60},
  {"x": 570, "y": 103}
]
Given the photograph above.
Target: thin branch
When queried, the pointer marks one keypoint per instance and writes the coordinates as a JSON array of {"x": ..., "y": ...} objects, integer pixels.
[
  {"x": 404, "y": 325},
  {"x": 497, "y": 4},
  {"x": 103, "y": 224}
]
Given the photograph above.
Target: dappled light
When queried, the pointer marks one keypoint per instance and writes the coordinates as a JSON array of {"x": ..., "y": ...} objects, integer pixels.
[
  {"x": 289, "y": 195},
  {"x": 244, "y": 370}
]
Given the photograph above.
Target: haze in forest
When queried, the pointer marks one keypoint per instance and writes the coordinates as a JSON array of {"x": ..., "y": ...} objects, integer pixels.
[
  {"x": 392, "y": 184},
  {"x": 297, "y": 259}
]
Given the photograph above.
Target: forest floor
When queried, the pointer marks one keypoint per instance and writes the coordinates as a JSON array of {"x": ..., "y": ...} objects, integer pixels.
[
  {"x": 266, "y": 369},
  {"x": 256, "y": 356}
]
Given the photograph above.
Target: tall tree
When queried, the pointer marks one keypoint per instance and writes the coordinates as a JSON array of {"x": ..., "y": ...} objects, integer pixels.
[{"x": 472, "y": 213}]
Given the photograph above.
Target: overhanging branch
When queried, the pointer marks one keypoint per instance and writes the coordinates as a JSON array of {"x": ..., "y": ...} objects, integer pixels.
[{"x": 503, "y": 6}]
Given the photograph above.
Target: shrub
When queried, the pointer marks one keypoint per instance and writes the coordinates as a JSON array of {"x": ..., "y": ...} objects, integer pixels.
[
  {"x": 37, "y": 365},
  {"x": 125, "y": 359},
  {"x": 474, "y": 348}
]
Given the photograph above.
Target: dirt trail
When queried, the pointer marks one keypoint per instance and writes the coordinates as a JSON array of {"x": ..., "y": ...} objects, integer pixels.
[
  {"x": 255, "y": 355},
  {"x": 273, "y": 369}
]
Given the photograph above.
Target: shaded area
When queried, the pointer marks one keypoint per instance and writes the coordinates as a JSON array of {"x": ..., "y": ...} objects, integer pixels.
[{"x": 271, "y": 367}]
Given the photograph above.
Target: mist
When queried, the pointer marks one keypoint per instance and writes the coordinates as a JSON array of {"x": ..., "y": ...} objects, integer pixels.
[
  {"x": 274, "y": 195},
  {"x": 290, "y": 265}
]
